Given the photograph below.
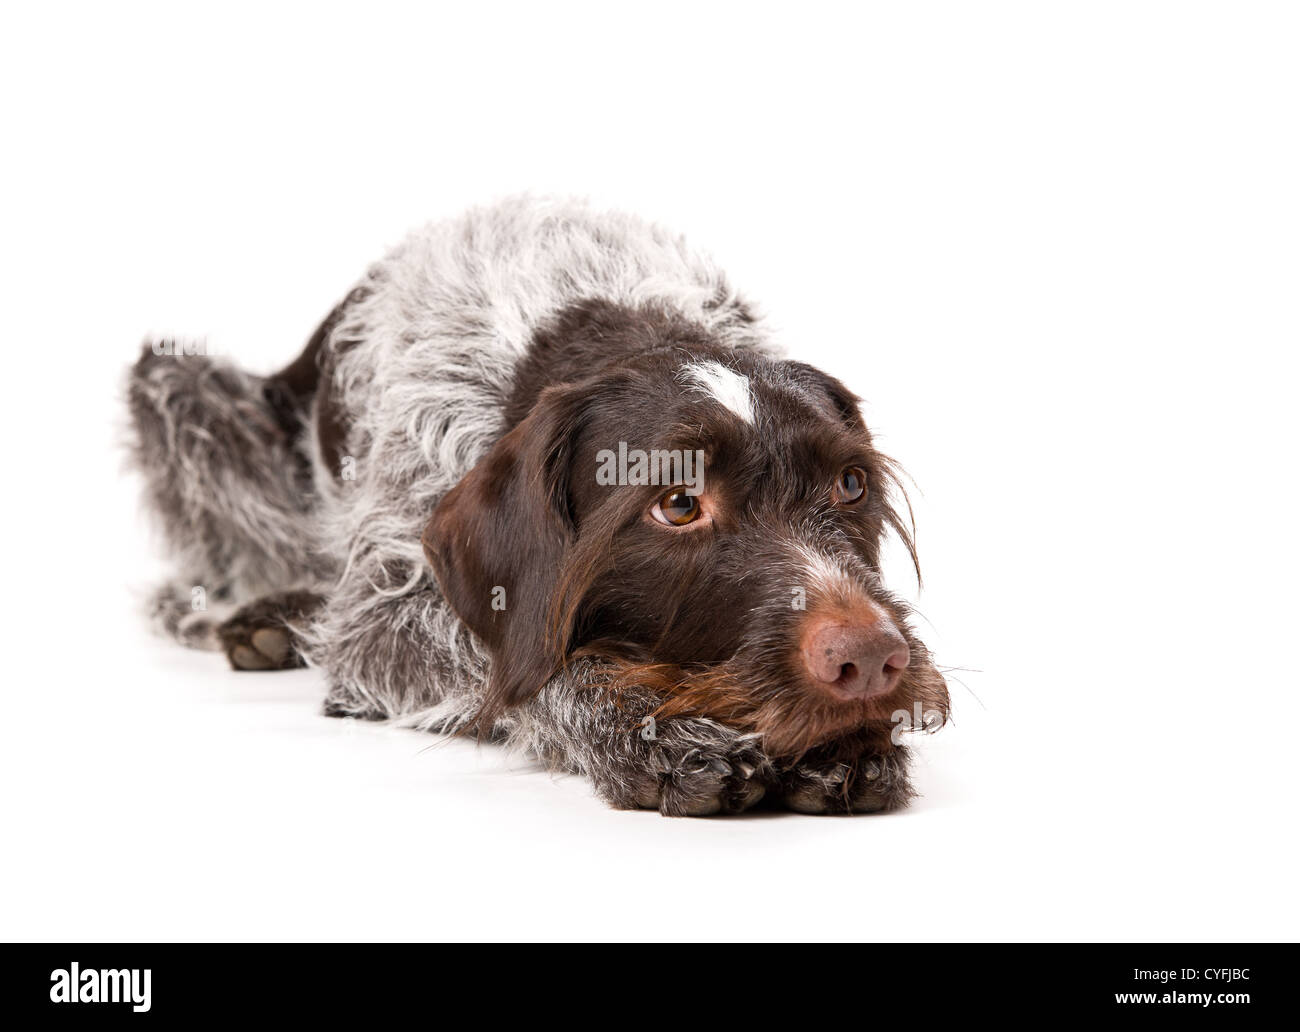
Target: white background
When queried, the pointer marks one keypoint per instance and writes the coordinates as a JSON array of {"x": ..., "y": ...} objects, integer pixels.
[{"x": 1056, "y": 248}]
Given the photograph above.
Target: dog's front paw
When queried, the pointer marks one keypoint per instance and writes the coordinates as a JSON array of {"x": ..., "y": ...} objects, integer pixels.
[
  {"x": 693, "y": 768},
  {"x": 868, "y": 784}
]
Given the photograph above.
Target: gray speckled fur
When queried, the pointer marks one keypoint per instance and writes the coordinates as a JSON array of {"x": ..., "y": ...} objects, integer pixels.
[{"x": 421, "y": 363}]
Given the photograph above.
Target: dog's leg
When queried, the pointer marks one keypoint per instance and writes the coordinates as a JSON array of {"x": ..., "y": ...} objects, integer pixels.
[
  {"x": 227, "y": 481},
  {"x": 389, "y": 653},
  {"x": 682, "y": 766},
  {"x": 406, "y": 656},
  {"x": 868, "y": 783},
  {"x": 410, "y": 658},
  {"x": 392, "y": 654},
  {"x": 266, "y": 634},
  {"x": 190, "y": 611}
]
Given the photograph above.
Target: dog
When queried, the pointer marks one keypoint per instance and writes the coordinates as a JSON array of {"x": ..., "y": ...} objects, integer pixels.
[{"x": 543, "y": 477}]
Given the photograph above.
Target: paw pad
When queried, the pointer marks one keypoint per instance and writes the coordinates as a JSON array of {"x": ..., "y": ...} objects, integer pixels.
[{"x": 258, "y": 648}]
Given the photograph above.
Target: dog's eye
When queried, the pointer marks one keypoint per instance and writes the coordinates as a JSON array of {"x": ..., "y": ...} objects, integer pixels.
[
  {"x": 851, "y": 486},
  {"x": 676, "y": 508}
]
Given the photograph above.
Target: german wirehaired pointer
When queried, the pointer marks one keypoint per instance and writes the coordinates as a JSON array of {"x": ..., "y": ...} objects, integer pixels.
[{"x": 541, "y": 477}]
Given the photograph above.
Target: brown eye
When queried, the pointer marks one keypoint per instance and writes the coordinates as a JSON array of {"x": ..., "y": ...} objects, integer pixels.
[
  {"x": 676, "y": 508},
  {"x": 851, "y": 486}
]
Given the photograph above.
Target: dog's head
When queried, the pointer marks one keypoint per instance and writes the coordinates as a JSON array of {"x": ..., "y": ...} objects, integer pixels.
[{"x": 708, "y": 520}]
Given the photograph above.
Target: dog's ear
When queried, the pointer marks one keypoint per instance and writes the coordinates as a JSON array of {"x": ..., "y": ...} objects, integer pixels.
[
  {"x": 498, "y": 541},
  {"x": 843, "y": 402}
]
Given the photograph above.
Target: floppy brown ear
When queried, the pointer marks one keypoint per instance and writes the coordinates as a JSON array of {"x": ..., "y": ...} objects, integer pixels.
[
  {"x": 498, "y": 540},
  {"x": 843, "y": 401}
]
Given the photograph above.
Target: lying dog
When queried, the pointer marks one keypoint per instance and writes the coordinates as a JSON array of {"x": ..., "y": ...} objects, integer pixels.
[{"x": 541, "y": 477}]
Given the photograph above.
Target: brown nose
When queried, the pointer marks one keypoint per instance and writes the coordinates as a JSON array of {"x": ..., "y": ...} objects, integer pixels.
[{"x": 855, "y": 661}]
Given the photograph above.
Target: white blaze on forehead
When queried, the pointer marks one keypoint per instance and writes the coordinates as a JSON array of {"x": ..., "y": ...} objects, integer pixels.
[{"x": 725, "y": 386}]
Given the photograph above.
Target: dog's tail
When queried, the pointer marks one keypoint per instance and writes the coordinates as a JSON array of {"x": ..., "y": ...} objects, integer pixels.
[{"x": 226, "y": 477}]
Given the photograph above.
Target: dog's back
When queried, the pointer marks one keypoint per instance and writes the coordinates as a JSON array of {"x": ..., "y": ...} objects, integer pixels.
[{"x": 422, "y": 358}]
